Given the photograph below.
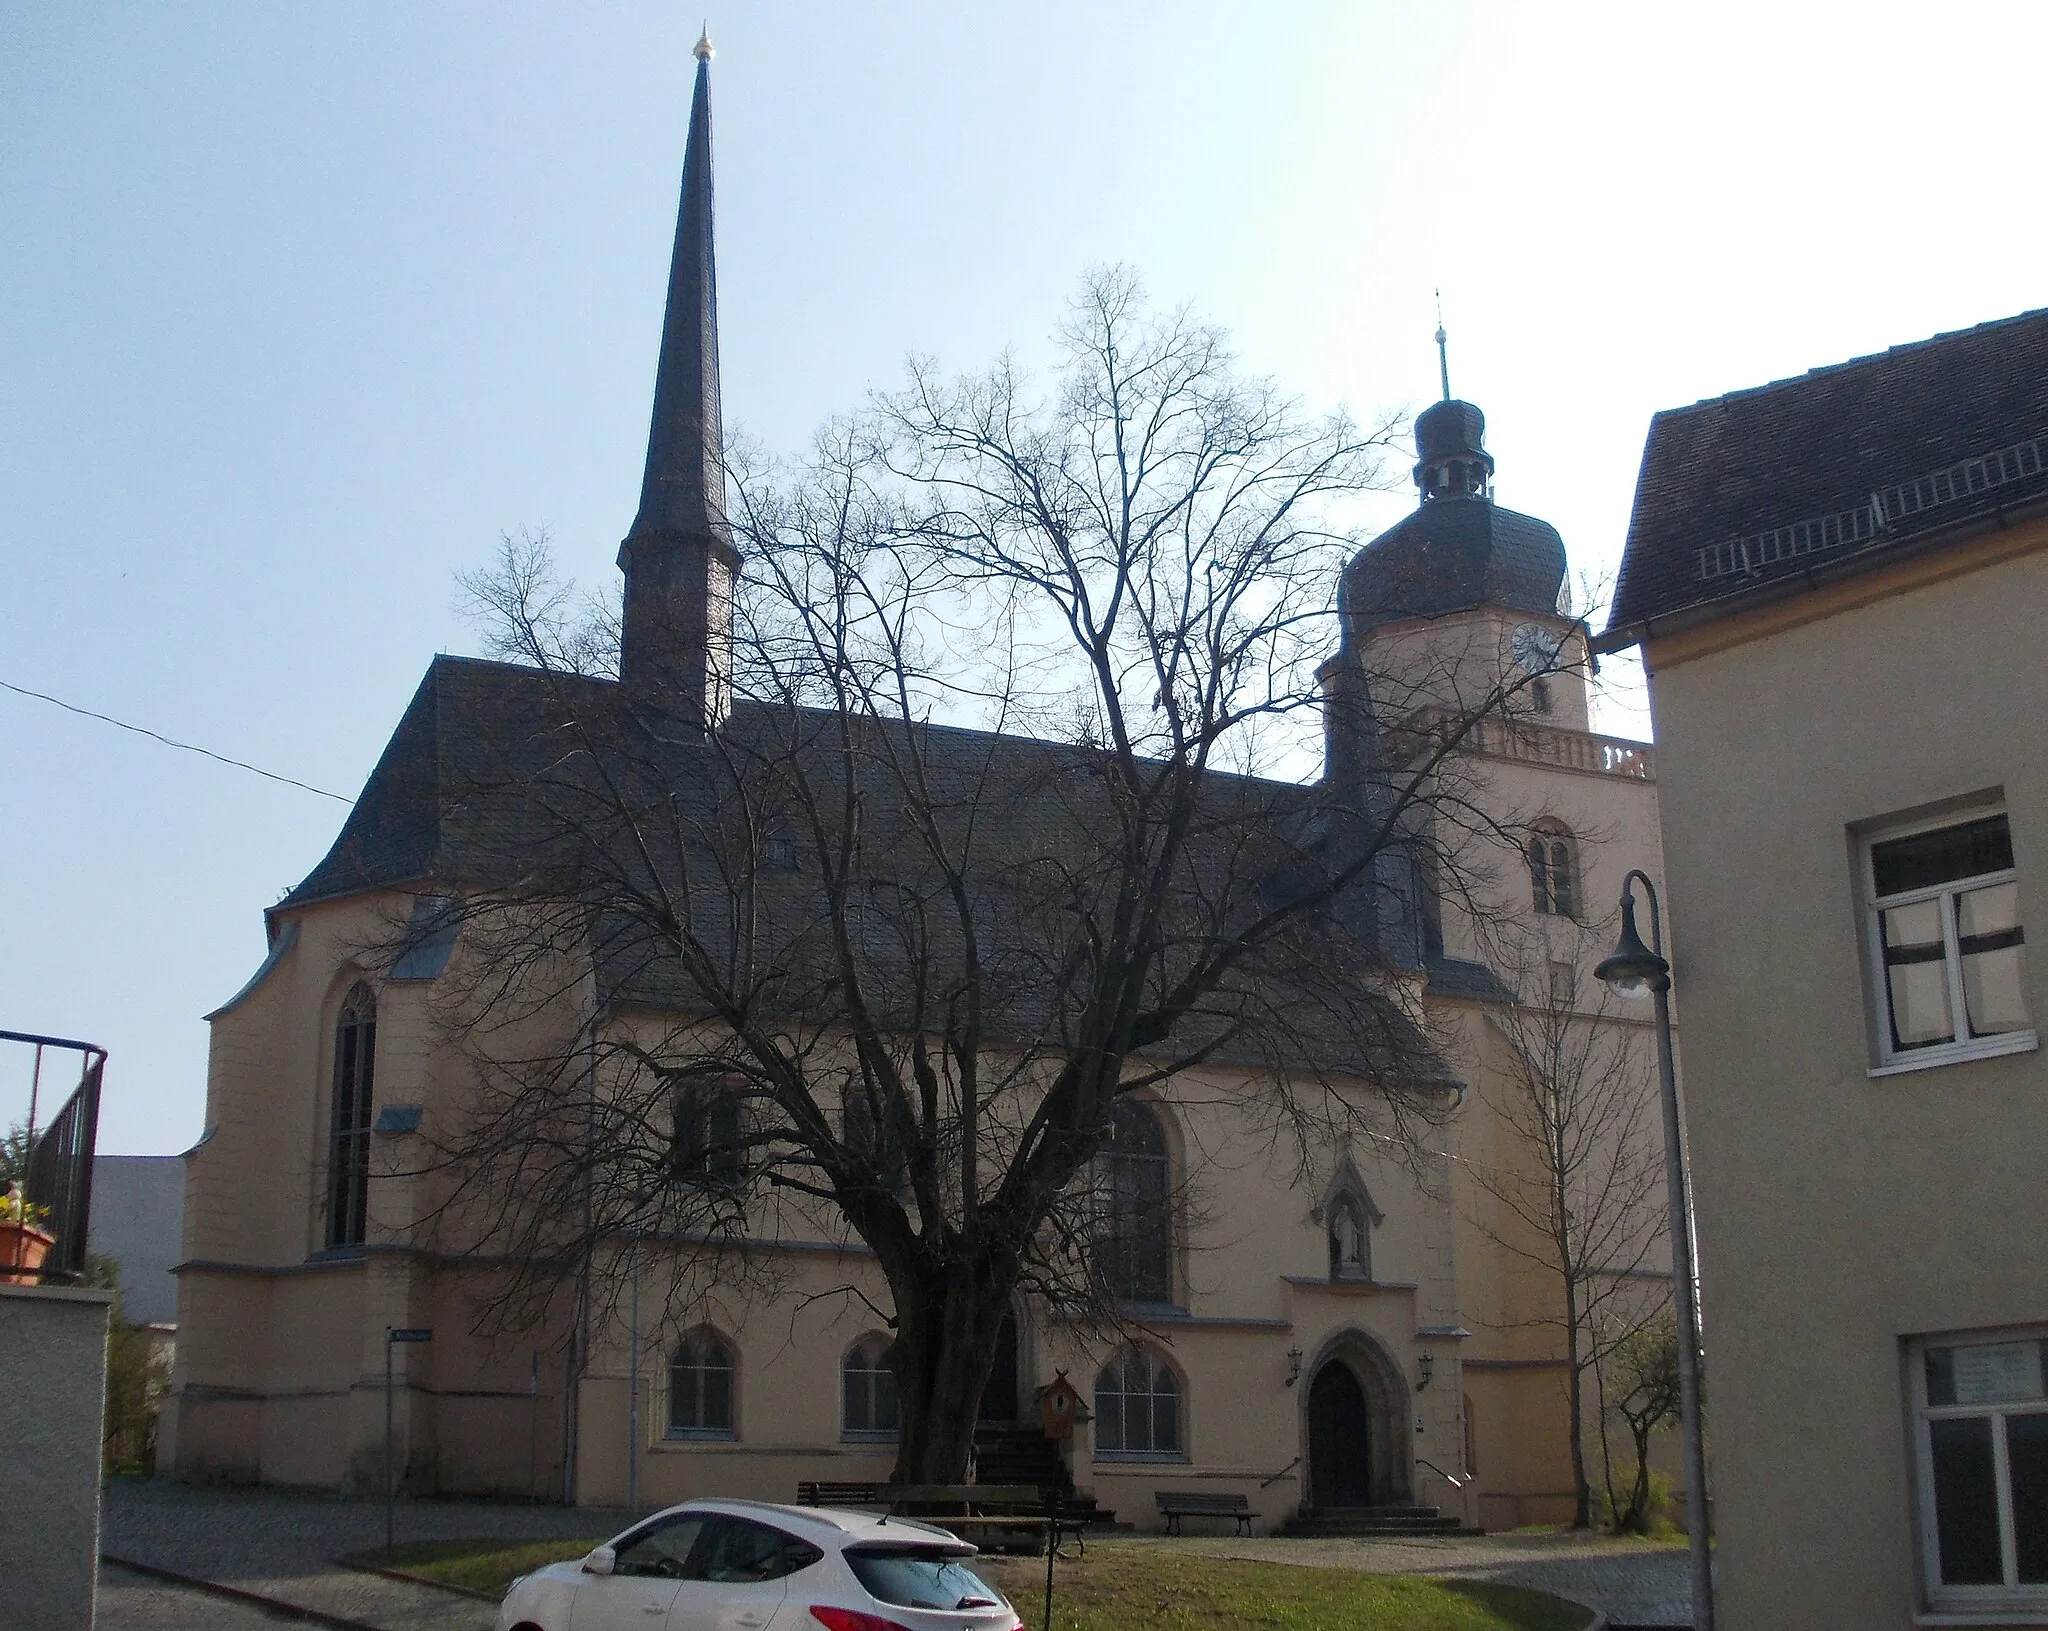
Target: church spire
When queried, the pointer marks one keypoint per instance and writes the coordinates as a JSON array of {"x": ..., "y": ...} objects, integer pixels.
[{"x": 678, "y": 558}]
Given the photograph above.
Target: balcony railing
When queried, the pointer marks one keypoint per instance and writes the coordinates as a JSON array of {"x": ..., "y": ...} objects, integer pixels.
[
  {"x": 54, "y": 1156},
  {"x": 1536, "y": 744}
]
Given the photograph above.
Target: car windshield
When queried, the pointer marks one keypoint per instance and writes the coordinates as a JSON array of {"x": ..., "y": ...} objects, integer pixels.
[{"x": 921, "y": 1579}]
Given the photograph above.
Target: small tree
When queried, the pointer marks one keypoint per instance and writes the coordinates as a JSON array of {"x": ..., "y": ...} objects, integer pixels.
[
  {"x": 1638, "y": 1382},
  {"x": 836, "y": 959},
  {"x": 1578, "y": 1179}
]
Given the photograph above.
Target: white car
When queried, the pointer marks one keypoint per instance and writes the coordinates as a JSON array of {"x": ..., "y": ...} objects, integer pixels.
[{"x": 748, "y": 1566}]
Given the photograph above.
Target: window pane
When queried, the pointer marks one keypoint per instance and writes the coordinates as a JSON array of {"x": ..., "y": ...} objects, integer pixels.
[
  {"x": 1109, "y": 1414},
  {"x": 1166, "y": 1416},
  {"x": 717, "y": 1394},
  {"x": 854, "y": 1400},
  {"x": 2026, "y": 1449},
  {"x": 1916, "y": 974},
  {"x": 662, "y": 1549},
  {"x": 1989, "y": 934},
  {"x": 885, "y": 1400},
  {"x": 1928, "y": 858},
  {"x": 682, "y": 1393},
  {"x": 1965, "y": 1502}
]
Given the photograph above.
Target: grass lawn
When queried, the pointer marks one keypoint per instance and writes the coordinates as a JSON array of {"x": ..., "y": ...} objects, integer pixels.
[
  {"x": 1126, "y": 1588},
  {"x": 481, "y": 1565}
]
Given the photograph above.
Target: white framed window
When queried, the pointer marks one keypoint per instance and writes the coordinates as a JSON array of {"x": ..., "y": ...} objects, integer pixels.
[
  {"x": 1980, "y": 1429},
  {"x": 700, "y": 1387},
  {"x": 1947, "y": 945},
  {"x": 1138, "y": 1413},
  {"x": 868, "y": 1391}
]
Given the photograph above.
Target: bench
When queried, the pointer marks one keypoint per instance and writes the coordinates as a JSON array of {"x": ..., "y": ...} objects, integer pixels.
[
  {"x": 1175, "y": 1504},
  {"x": 1001, "y": 1516}
]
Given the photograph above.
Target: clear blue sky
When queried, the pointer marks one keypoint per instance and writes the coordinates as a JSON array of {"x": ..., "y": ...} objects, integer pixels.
[{"x": 301, "y": 305}]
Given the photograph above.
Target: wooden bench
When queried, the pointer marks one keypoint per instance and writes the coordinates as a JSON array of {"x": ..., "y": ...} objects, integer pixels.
[
  {"x": 825, "y": 1494},
  {"x": 1002, "y": 1515},
  {"x": 1175, "y": 1504}
]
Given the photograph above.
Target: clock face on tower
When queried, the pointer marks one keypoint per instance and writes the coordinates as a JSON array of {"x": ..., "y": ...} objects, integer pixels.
[{"x": 1536, "y": 648}]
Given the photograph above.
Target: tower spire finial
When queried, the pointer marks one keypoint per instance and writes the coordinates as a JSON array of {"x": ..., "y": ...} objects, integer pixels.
[
  {"x": 704, "y": 50},
  {"x": 1443, "y": 353}
]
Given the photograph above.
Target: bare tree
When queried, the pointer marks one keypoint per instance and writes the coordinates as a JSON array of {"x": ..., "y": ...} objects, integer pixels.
[
  {"x": 1576, "y": 1182},
  {"x": 989, "y": 839},
  {"x": 1638, "y": 1377}
]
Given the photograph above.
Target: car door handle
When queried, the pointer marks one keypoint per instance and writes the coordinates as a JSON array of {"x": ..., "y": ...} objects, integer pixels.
[
  {"x": 750, "y": 1619},
  {"x": 653, "y": 1608}
]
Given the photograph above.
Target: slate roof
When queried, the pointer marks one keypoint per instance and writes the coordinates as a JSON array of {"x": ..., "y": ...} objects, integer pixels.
[
  {"x": 480, "y": 786},
  {"x": 1451, "y": 555},
  {"x": 1839, "y": 469}
]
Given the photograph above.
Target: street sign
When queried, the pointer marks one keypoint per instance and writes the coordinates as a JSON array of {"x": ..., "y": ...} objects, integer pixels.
[{"x": 412, "y": 1333}]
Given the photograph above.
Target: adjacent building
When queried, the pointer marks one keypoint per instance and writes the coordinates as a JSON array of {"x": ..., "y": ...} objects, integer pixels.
[{"x": 1837, "y": 583}]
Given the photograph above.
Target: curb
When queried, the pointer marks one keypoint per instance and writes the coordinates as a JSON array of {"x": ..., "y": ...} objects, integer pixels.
[
  {"x": 420, "y": 1580},
  {"x": 255, "y": 1599}
]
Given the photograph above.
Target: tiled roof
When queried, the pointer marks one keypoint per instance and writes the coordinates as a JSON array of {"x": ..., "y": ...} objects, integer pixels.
[{"x": 1846, "y": 464}]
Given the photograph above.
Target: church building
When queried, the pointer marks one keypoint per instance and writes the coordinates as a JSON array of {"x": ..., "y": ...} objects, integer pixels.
[{"x": 1378, "y": 1333}]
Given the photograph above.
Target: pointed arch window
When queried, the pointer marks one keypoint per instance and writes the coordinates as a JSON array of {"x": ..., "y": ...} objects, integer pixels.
[
  {"x": 868, "y": 1390},
  {"x": 700, "y": 1387},
  {"x": 348, "y": 1131},
  {"x": 1553, "y": 870},
  {"x": 1138, "y": 1402},
  {"x": 1136, "y": 1251}
]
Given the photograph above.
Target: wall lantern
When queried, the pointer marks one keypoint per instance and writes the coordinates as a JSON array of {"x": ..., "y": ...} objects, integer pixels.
[
  {"x": 1428, "y": 1364},
  {"x": 1293, "y": 1366}
]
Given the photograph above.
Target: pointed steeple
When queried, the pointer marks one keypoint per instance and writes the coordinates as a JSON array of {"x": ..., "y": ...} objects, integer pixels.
[{"x": 678, "y": 558}]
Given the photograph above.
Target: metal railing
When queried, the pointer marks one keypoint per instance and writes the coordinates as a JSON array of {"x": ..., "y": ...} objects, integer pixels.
[{"x": 56, "y": 1164}]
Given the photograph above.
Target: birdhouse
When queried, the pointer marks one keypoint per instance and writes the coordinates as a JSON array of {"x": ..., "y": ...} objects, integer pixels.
[{"x": 1060, "y": 1406}]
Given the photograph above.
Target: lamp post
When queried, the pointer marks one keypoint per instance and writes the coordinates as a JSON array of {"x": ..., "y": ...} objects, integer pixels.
[{"x": 1633, "y": 970}]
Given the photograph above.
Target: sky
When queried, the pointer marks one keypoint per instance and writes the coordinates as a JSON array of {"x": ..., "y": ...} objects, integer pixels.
[{"x": 302, "y": 306}]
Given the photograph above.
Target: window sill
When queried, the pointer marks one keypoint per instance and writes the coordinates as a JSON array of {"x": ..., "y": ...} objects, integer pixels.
[
  {"x": 1991, "y": 1047},
  {"x": 1154, "y": 1458},
  {"x": 867, "y": 1435},
  {"x": 699, "y": 1435},
  {"x": 2025, "y": 1614}
]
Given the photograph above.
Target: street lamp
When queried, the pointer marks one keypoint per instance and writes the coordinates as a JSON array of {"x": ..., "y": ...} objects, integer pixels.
[{"x": 1631, "y": 971}]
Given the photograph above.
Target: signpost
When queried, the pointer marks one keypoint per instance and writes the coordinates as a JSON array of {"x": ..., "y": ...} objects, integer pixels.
[{"x": 393, "y": 1335}]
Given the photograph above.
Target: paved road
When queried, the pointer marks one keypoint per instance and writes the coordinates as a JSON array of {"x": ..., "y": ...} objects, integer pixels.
[
  {"x": 283, "y": 1545},
  {"x": 133, "y": 1602}
]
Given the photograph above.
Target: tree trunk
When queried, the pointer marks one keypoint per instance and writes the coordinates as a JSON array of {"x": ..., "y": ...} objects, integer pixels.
[
  {"x": 1582, "y": 1489},
  {"x": 943, "y": 1353}
]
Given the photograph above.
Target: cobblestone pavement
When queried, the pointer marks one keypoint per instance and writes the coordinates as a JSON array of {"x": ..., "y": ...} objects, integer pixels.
[
  {"x": 284, "y": 1544},
  {"x": 134, "y": 1602}
]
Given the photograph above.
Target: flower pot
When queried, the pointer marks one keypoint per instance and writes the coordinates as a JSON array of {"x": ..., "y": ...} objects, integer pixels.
[{"x": 22, "y": 1249}]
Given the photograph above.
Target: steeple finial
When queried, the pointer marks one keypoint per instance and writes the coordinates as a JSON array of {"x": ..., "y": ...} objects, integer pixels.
[
  {"x": 704, "y": 50},
  {"x": 1443, "y": 353},
  {"x": 678, "y": 558}
]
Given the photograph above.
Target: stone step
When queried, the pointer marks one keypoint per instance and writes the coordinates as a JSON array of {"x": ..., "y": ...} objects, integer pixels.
[{"x": 1374, "y": 1521}]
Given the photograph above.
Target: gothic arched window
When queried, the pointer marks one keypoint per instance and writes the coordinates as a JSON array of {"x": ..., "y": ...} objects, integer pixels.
[
  {"x": 700, "y": 1385},
  {"x": 1138, "y": 1405},
  {"x": 868, "y": 1390},
  {"x": 1350, "y": 1240},
  {"x": 1137, "y": 1244},
  {"x": 348, "y": 1136},
  {"x": 1553, "y": 870},
  {"x": 707, "y": 1141}
]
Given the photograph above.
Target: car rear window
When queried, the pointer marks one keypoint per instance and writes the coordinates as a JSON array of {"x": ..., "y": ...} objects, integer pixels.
[{"x": 921, "y": 1579}]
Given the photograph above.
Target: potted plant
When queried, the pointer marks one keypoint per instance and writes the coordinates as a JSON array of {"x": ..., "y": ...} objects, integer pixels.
[{"x": 23, "y": 1243}]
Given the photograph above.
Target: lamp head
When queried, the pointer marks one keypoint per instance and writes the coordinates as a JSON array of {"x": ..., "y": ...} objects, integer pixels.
[{"x": 1632, "y": 970}]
